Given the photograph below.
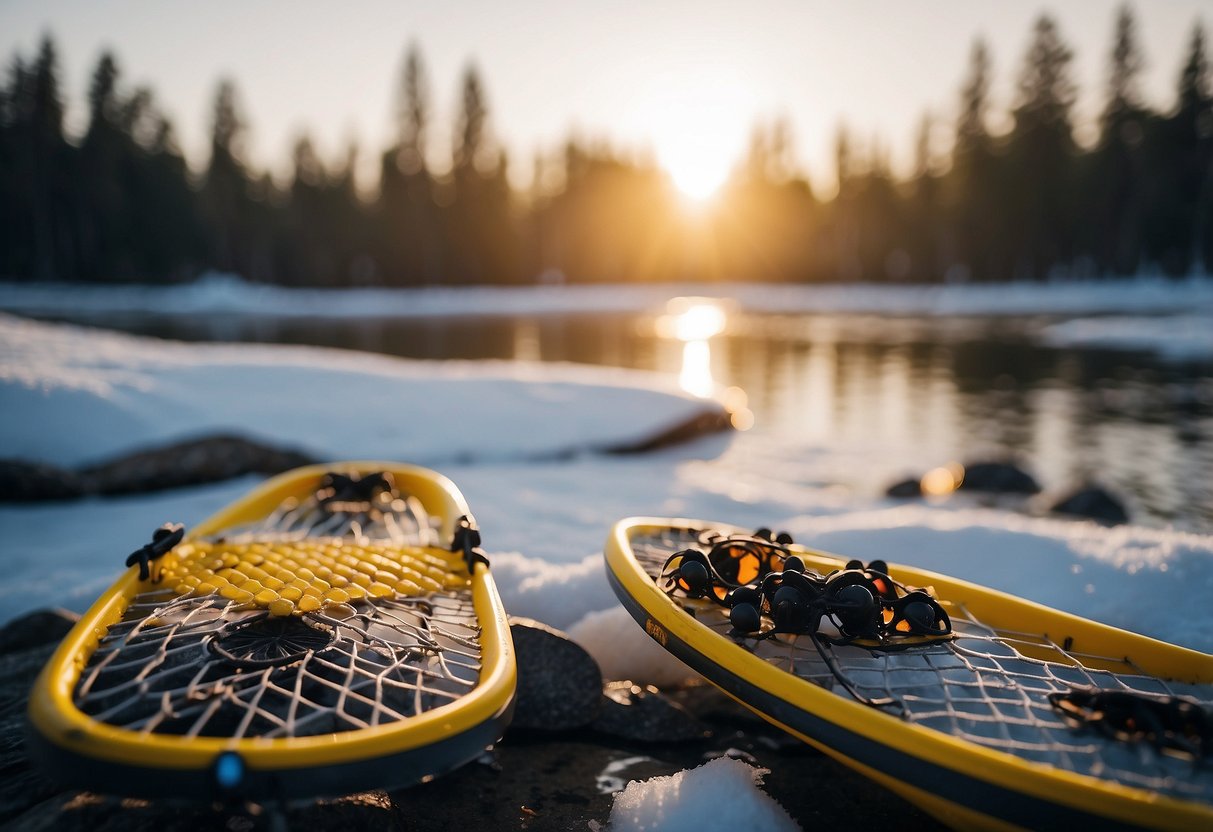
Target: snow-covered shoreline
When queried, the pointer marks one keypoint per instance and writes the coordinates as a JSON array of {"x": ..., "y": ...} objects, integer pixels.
[
  {"x": 227, "y": 294},
  {"x": 68, "y": 393}
]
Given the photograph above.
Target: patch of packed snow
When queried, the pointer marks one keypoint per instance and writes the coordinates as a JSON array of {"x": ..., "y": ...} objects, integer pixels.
[
  {"x": 227, "y": 294},
  {"x": 624, "y": 651},
  {"x": 724, "y": 794},
  {"x": 70, "y": 395},
  {"x": 1177, "y": 337}
]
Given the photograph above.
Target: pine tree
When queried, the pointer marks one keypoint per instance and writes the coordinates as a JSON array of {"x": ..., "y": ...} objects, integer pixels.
[
  {"x": 226, "y": 188},
  {"x": 1040, "y": 185},
  {"x": 844, "y": 215},
  {"x": 410, "y": 247},
  {"x": 975, "y": 215},
  {"x": 470, "y": 129},
  {"x": 972, "y": 134},
  {"x": 1179, "y": 155},
  {"x": 414, "y": 114},
  {"x": 472, "y": 213},
  {"x": 106, "y": 216},
  {"x": 1115, "y": 191},
  {"x": 173, "y": 242},
  {"x": 1193, "y": 127},
  {"x": 49, "y": 176},
  {"x": 924, "y": 223}
]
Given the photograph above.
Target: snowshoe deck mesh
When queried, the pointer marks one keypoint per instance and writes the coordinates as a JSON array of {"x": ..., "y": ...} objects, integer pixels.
[
  {"x": 324, "y": 617},
  {"x": 988, "y": 686}
]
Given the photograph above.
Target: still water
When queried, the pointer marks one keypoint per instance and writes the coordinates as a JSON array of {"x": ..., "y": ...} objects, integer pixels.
[{"x": 851, "y": 402}]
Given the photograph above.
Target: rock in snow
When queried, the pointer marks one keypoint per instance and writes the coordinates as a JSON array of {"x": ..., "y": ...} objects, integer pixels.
[
  {"x": 1094, "y": 503},
  {"x": 559, "y": 685},
  {"x": 998, "y": 478}
]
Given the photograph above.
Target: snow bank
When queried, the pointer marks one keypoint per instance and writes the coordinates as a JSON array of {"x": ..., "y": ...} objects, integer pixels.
[
  {"x": 1177, "y": 337},
  {"x": 723, "y": 794},
  {"x": 226, "y": 294},
  {"x": 624, "y": 651},
  {"x": 70, "y": 395}
]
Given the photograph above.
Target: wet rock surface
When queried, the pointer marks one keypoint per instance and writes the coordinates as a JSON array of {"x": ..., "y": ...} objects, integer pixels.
[
  {"x": 704, "y": 423},
  {"x": 644, "y": 714},
  {"x": 531, "y": 781},
  {"x": 559, "y": 684},
  {"x": 998, "y": 478},
  {"x": 904, "y": 489},
  {"x": 192, "y": 462},
  {"x": 36, "y": 629},
  {"x": 24, "y": 481},
  {"x": 1093, "y": 503}
]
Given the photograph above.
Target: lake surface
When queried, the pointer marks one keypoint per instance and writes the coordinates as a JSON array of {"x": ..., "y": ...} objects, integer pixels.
[{"x": 846, "y": 404}]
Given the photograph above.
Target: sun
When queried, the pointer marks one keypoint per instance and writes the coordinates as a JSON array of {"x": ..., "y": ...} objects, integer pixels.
[
  {"x": 697, "y": 126},
  {"x": 698, "y": 167}
]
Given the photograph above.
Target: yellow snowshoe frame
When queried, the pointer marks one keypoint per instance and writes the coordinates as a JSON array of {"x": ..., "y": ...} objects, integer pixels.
[
  {"x": 80, "y": 750},
  {"x": 965, "y": 785}
]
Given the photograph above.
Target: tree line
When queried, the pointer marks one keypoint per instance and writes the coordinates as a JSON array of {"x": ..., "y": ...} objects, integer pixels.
[{"x": 120, "y": 204}]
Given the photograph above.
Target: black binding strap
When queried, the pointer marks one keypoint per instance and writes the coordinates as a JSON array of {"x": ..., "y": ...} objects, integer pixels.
[
  {"x": 1171, "y": 724},
  {"x": 163, "y": 541},
  {"x": 355, "y": 493},
  {"x": 466, "y": 539}
]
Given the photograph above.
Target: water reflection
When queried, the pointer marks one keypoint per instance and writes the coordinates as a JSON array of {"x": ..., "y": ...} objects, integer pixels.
[
  {"x": 694, "y": 320},
  {"x": 695, "y": 377}
]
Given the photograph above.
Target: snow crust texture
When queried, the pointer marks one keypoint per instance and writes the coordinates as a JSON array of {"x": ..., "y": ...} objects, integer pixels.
[{"x": 724, "y": 794}]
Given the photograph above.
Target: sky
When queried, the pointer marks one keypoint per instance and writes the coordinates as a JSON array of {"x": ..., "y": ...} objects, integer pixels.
[{"x": 684, "y": 81}]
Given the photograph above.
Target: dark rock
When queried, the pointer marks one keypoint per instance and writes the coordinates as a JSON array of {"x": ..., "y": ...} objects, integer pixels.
[
  {"x": 193, "y": 462},
  {"x": 1093, "y": 503},
  {"x": 904, "y": 489},
  {"x": 703, "y": 423},
  {"x": 707, "y": 703},
  {"x": 22, "y": 481},
  {"x": 559, "y": 684},
  {"x": 21, "y": 787},
  {"x": 644, "y": 714},
  {"x": 35, "y": 629},
  {"x": 998, "y": 478}
]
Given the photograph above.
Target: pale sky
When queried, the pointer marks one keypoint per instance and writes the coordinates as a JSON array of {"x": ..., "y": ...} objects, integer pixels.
[{"x": 657, "y": 75}]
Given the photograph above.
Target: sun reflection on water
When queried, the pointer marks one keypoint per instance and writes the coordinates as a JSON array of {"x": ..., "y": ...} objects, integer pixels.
[
  {"x": 696, "y": 375},
  {"x": 695, "y": 321},
  {"x": 692, "y": 319}
]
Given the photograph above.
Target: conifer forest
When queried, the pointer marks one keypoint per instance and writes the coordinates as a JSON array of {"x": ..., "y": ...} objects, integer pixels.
[{"x": 119, "y": 203}]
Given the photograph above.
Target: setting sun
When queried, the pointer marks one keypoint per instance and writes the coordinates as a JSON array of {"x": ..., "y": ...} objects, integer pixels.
[
  {"x": 697, "y": 127},
  {"x": 697, "y": 168}
]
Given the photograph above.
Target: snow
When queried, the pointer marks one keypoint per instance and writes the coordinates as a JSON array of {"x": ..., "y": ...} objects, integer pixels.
[
  {"x": 227, "y": 294},
  {"x": 69, "y": 395},
  {"x": 624, "y": 651},
  {"x": 1176, "y": 337},
  {"x": 724, "y": 794}
]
